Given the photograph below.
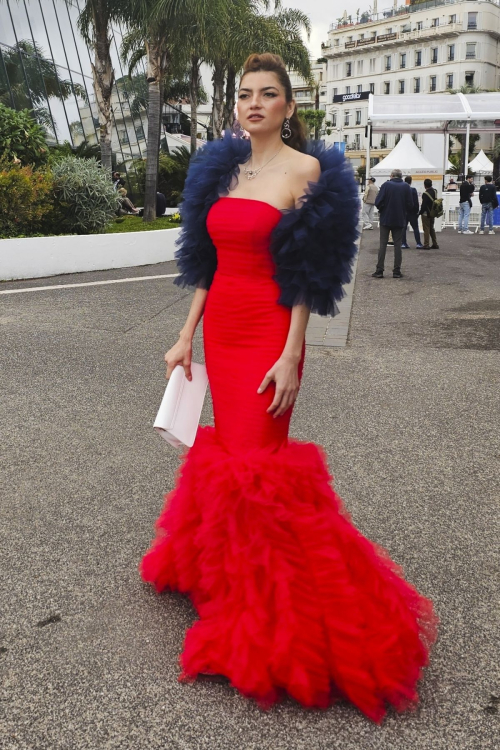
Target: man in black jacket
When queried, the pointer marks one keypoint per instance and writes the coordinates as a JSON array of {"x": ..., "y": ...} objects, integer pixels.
[
  {"x": 465, "y": 205},
  {"x": 428, "y": 197},
  {"x": 412, "y": 218},
  {"x": 394, "y": 203},
  {"x": 488, "y": 200}
]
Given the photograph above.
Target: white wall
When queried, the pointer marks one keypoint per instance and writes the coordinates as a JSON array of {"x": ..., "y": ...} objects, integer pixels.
[{"x": 37, "y": 257}]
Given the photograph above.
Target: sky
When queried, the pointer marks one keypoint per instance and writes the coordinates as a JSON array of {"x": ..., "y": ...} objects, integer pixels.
[{"x": 324, "y": 12}]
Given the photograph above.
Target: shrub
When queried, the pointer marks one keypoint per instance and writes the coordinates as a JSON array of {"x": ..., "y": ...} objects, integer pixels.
[
  {"x": 26, "y": 205},
  {"x": 21, "y": 138},
  {"x": 84, "y": 195},
  {"x": 172, "y": 171}
]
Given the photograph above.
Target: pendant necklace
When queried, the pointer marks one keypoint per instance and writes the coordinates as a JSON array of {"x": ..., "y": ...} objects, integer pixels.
[{"x": 252, "y": 173}]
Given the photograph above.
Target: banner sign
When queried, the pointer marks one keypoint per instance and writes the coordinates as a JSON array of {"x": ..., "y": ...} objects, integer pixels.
[{"x": 351, "y": 97}]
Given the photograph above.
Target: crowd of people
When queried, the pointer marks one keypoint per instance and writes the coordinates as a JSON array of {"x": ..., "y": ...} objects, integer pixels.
[{"x": 398, "y": 205}]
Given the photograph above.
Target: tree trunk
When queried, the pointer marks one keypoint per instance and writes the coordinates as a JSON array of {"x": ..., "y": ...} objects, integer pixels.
[
  {"x": 218, "y": 102},
  {"x": 194, "y": 83},
  {"x": 104, "y": 78},
  {"x": 154, "y": 108},
  {"x": 230, "y": 97}
]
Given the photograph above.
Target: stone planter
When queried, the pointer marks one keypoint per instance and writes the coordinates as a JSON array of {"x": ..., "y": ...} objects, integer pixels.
[{"x": 37, "y": 257}]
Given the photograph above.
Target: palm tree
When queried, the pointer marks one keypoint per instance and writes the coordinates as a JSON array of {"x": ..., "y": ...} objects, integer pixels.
[
  {"x": 94, "y": 25},
  {"x": 247, "y": 31},
  {"x": 161, "y": 27},
  {"x": 31, "y": 80}
]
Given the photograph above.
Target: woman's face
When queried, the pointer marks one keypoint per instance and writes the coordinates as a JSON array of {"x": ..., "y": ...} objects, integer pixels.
[{"x": 262, "y": 104}]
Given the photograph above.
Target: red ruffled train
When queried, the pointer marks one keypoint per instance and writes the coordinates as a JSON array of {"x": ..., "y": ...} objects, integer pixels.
[{"x": 291, "y": 596}]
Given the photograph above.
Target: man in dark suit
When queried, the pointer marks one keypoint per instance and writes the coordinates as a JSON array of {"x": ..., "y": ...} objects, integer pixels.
[
  {"x": 412, "y": 218},
  {"x": 394, "y": 203}
]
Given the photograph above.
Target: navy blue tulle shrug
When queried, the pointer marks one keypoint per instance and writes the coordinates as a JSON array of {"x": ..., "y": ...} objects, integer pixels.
[{"x": 313, "y": 246}]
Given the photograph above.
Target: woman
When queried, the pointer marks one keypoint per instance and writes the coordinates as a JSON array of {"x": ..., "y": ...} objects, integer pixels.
[{"x": 291, "y": 597}]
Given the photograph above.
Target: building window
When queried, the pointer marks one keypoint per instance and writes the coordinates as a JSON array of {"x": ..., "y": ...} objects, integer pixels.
[
  {"x": 416, "y": 86},
  {"x": 470, "y": 53},
  {"x": 449, "y": 81},
  {"x": 358, "y": 117},
  {"x": 471, "y": 21},
  {"x": 389, "y": 30},
  {"x": 140, "y": 132},
  {"x": 357, "y": 141},
  {"x": 434, "y": 23},
  {"x": 336, "y": 42},
  {"x": 388, "y": 62},
  {"x": 335, "y": 91},
  {"x": 360, "y": 88},
  {"x": 469, "y": 78},
  {"x": 346, "y": 138},
  {"x": 420, "y": 25},
  {"x": 401, "y": 87},
  {"x": 432, "y": 84},
  {"x": 348, "y": 89},
  {"x": 349, "y": 39},
  {"x": 123, "y": 136},
  {"x": 402, "y": 60},
  {"x": 360, "y": 67},
  {"x": 372, "y": 88},
  {"x": 453, "y": 18},
  {"x": 451, "y": 52},
  {"x": 434, "y": 55},
  {"x": 418, "y": 58},
  {"x": 346, "y": 117},
  {"x": 348, "y": 69},
  {"x": 334, "y": 119},
  {"x": 387, "y": 87},
  {"x": 372, "y": 64}
]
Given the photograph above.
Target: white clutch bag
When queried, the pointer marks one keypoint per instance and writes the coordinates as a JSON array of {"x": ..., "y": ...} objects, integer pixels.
[{"x": 180, "y": 410}]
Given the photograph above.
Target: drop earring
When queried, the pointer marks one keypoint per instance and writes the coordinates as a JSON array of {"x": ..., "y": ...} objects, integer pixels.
[{"x": 286, "y": 131}]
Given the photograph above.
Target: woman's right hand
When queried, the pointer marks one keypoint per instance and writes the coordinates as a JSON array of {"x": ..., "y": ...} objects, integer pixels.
[{"x": 180, "y": 354}]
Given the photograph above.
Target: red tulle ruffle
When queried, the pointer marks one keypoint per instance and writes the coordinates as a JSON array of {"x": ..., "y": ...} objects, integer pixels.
[{"x": 291, "y": 596}]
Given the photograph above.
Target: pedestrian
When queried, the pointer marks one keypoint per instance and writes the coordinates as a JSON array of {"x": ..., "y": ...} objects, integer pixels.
[
  {"x": 428, "y": 198},
  {"x": 117, "y": 180},
  {"x": 369, "y": 196},
  {"x": 489, "y": 201},
  {"x": 394, "y": 202},
  {"x": 290, "y": 595},
  {"x": 126, "y": 203},
  {"x": 452, "y": 185},
  {"x": 465, "y": 205},
  {"x": 161, "y": 203},
  {"x": 412, "y": 218}
]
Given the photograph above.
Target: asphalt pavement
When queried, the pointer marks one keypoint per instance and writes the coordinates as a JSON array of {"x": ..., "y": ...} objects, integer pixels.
[{"x": 408, "y": 413}]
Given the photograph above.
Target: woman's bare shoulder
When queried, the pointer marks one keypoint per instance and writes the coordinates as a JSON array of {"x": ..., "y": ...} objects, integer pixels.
[{"x": 305, "y": 169}]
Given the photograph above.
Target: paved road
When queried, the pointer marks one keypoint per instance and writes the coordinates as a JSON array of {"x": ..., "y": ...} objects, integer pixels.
[{"x": 408, "y": 414}]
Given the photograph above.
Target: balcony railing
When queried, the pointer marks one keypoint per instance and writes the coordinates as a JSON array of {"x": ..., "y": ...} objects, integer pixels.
[
  {"x": 424, "y": 34},
  {"x": 364, "y": 18}
]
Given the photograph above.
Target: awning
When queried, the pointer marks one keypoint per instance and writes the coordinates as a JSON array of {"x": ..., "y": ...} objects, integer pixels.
[{"x": 434, "y": 113}]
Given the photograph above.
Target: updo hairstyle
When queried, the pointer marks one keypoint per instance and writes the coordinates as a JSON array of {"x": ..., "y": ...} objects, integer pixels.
[{"x": 274, "y": 64}]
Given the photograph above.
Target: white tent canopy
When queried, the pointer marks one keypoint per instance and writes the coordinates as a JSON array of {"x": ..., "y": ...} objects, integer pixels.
[
  {"x": 481, "y": 164},
  {"x": 407, "y": 157}
]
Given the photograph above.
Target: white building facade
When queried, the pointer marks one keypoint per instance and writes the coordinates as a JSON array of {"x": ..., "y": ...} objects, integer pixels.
[{"x": 425, "y": 47}]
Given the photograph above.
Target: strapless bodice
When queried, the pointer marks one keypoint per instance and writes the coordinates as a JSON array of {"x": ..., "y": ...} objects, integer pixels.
[{"x": 241, "y": 229}]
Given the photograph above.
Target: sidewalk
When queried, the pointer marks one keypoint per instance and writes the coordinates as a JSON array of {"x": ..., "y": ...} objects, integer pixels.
[{"x": 408, "y": 414}]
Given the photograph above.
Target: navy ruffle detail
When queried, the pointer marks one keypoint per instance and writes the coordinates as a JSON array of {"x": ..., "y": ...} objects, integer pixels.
[
  {"x": 210, "y": 172},
  {"x": 314, "y": 246}
]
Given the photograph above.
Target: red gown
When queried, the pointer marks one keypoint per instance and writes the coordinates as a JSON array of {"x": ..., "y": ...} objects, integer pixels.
[{"x": 290, "y": 595}]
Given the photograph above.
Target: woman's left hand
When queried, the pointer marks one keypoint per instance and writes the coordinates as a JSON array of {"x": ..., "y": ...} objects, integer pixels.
[{"x": 285, "y": 373}]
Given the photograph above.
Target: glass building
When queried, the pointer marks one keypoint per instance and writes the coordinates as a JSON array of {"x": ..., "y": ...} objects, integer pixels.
[{"x": 45, "y": 66}]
